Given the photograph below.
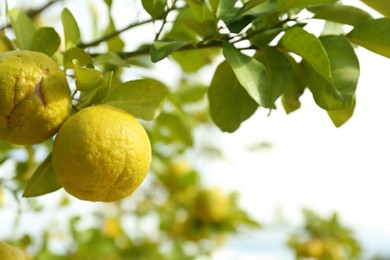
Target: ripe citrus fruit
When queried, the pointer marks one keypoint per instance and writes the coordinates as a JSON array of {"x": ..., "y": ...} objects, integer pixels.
[
  {"x": 212, "y": 205},
  {"x": 10, "y": 252},
  {"x": 34, "y": 97},
  {"x": 101, "y": 154}
]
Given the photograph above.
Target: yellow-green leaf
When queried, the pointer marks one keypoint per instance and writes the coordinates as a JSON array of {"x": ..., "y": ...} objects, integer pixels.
[{"x": 23, "y": 27}]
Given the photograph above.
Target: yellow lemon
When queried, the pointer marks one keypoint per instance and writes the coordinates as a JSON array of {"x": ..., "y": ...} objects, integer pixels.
[
  {"x": 101, "y": 154},
  {"x": 10, "y": 252},
  {"x": 34, "y": 97},
  {"x": 212, "y": 205}
]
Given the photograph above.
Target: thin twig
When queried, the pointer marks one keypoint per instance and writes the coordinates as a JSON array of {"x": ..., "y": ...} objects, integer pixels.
[{"x": 164, "y": 18}]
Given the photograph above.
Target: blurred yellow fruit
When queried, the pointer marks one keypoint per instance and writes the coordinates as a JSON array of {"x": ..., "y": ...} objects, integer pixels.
[
  {"x": 8, "y": 252},
  {"x": 34, "y": 97},
  {"x": 101, "y": 154},
  {"x": 212, "y": 205},
  {"x": 312, "y": 248}
]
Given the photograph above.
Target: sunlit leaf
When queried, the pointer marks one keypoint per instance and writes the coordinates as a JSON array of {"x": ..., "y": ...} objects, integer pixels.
[
  {"x": 86, "y": 78},
  {"x": 76, "y": 54},
  {"x": 142, "y": 98},
  {"x": 71, "y": 29},
  {"x": 97, "y": 93},
  {"x": 43, "y": 180},
  {"x": 193, "y": 60},
  {"x": 154, "y": 7},
  {"x": 373, "y": 35},
  {"x": 339, "y": 117},
  {"x": 23, "y": 27},
  {"x": 115, "y": 44},
  {"x": 279, "y": 71},
  {"x": 46, "y": 40},
  {"x": 310, "y": 48},
  {"x": 111, "y": 58},
  {"x": 230, "y": 104},
  {"x": 381, "y": 6},
  {"x": 340, "y": 94},
  {"x": 338, "y": 13},
  {"x": 161, "y": 49},
  {"x": 251, "y": 74},
  {"x": 285, "y": 5}
]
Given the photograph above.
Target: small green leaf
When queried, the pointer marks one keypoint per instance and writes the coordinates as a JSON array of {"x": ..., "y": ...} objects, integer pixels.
[
  {"x": 111, "y": 58},
  {"x": 43, "y": 180},
  {"x": 285, "y": 5},
  {"x": 381, "y": 6},
  {"x": 251, "y": 74},
  {"x": 310, "y": 48},
  {"x": 71, "y": 29},
  {"x": 142, "y": 98},
  {"x": 345, "y": 72},
  {"x": 155, "y": 8},
  {"x": 338, "y": 13},
  {"x": 190, "y": 94},
  {"x": 279, "y": 71},
  {"x": 295, "y": 89},
  {"x": 96, "y": 94},
  {"x": 46, "y": 40},
  {"x": 115, "y": 44},
  {"x": 86, "y": 78},
  {"x": 230, "y": 104},
  {"x": 193, "y": 60},
  {"x": 23, "y": 27},
  {"x": 76, "y": 54},
  {"x": 373, "y": 35},
  {"x": 161, "y": 49},
  {"x": 339, "y": 117}
]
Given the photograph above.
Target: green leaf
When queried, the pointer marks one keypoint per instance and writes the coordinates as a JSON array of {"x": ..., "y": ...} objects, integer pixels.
[
  {"x": 43, "y": 180},
  {"x": 381, "y": 6},
  {"x": 285, "y": 5},
  {"x": 173, "y": 129},
  {"x": 193, "y": 60},
  {"x": 230, "y": 104},
  {"x": 279, "y": 71},
  {"x": 310, "y": 48},
  {"x": 5, "y": 43},
  {"x": 251, "y": 74},
  {"x": 345, "y": 72},
  {"x": 155, "y": 8},
  {"x": 46, "y": 40},
  {"x": 142, "y": 98},
  {"x": 338, "y": 13},
  {"x": 190, "y": 94},
  {"x": 96, "y": 94},
  {"x": 76, "y": 54},
  {"x": 339, "y": 117},
  {"x": 373, "y": 35},
  {"x": 86, "y": 78},
  {"x": 213, "y": 4},
  {"x": 295, "y": 89},
  {"x": 115, "y": 44},
  {"x": 71, "y": 29},
  {"x": 250, "y": 5},
  {"x": 23, "y": 27},
  {"x": 111, "y": 58},
  {"x": 161, "y": 49}
]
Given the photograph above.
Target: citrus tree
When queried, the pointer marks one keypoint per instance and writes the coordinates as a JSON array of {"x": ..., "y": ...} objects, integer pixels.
[{"x": 67, "y": 96}]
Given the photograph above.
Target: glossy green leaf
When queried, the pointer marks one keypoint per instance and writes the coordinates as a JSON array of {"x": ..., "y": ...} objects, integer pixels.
[
  {"x": 71, "y": 29},
  {"x": 295, "y": 89},
  {"x": 251, "y": 74},
  {"x": 46, "y": 40},
  {"x": 43, "y": 180},
  {"x": 310, "y": 48},
  {"x": 279, "y": 71},
  {"x": 226, "y": 10},
  {"x": 162, "y": 49},
  {"x": 154, "y": 7},
  {"x": 340, "y": 94},
  {"x": 23, "y": 27},
  {"x": 142, "y": 98},
  {"x": 339, "y": 117},
  {"x": 76, "y": 54},
  {"x": 373, "y": 35},
  {"x": 230, "y": 103},
  {"x": 381, "y": 6},
  {"x": 285, "y": 5},
  {"x": 96, "y": 94},
  {"x": 86, "y": 78},
  {"x": 338, "y": 13},
  {"x": 265, "y": 37}
]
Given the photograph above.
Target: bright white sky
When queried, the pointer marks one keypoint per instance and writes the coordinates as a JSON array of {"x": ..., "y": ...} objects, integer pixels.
[{"x": 311, "y": 163}]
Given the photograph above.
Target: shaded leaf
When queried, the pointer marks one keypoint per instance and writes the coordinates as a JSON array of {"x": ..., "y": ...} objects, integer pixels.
[
  {"x": 251, "y": 74},
  {"x": 23, "y": 27},
  {"x": 43, "y": 180},
  {"x": 46, "y": 40},
  {"x": 111, "y": 58},
  {"x": 381, "y": 6},
  {"x": 161, "y": 49},
  {"x": 173, "y": 129},
  {"x": 295, "y": 89},
  {"x": 71, "y": 29},
  {"x": 339, "y": 117},
  {"x": 285, "y": 5},
  {"x": 230, "y": 104},
  {"x": 373, "y": 35},
  {"x": 142, "y": 98},
  {"x": 279, "y": 71},
  {"x": 193, "y": 60},
  {"x": 338, "y": 13},
  {"x": 310, "y": 48},
  {"x": 154, "y": 7},
  {"x": 345, "y": 72}
]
